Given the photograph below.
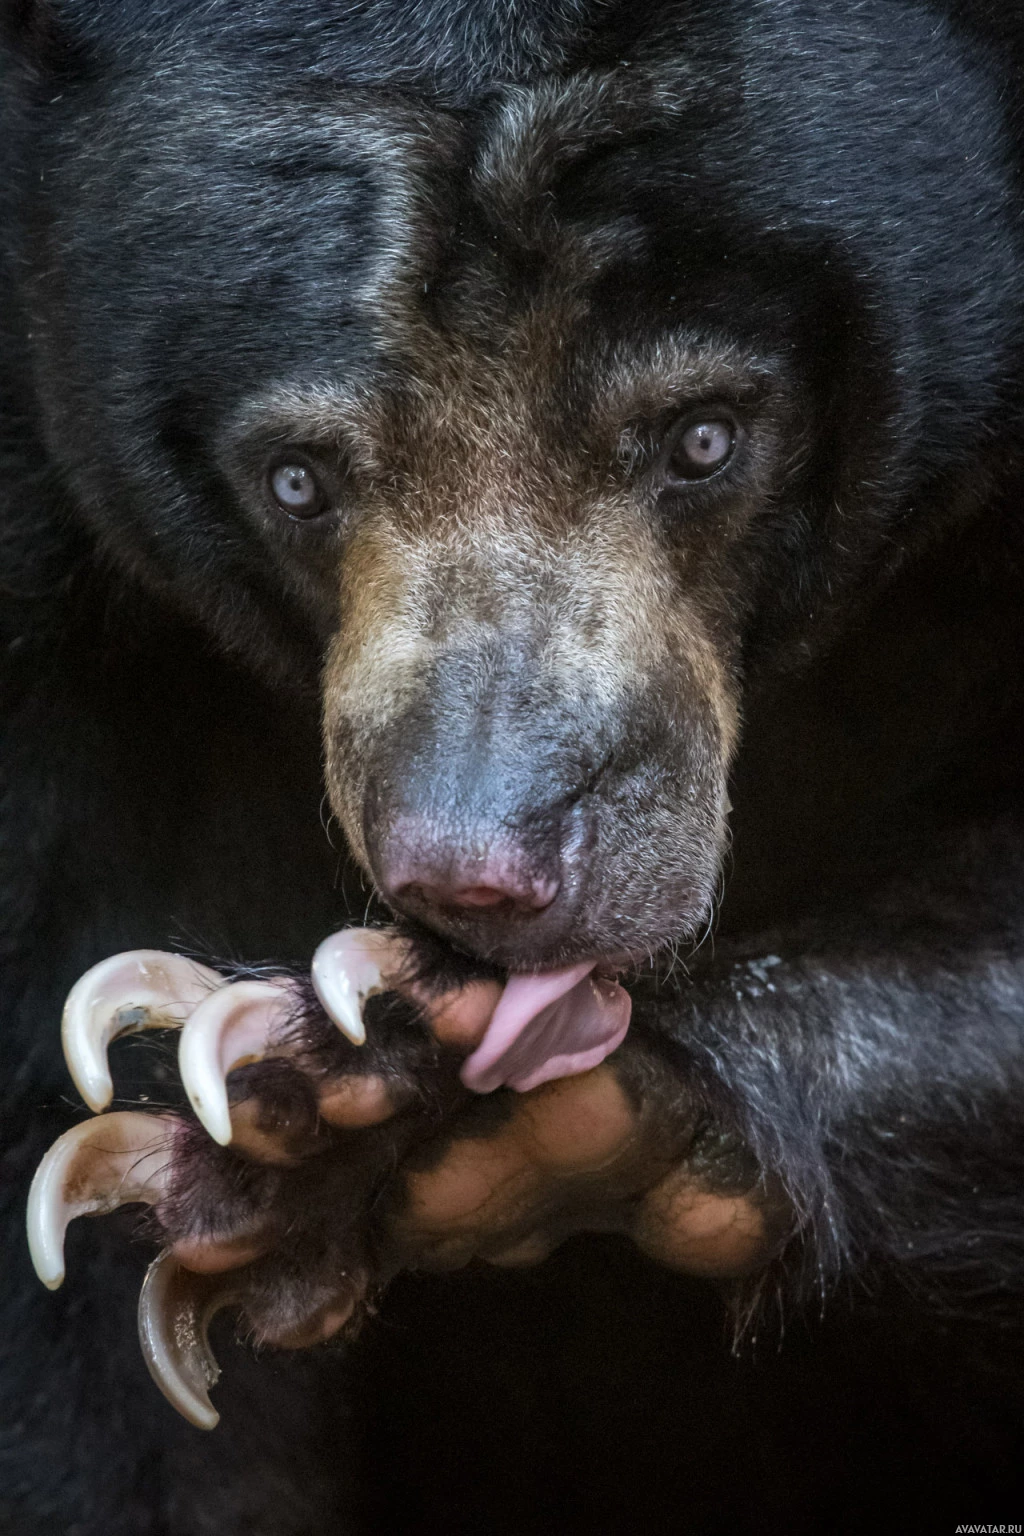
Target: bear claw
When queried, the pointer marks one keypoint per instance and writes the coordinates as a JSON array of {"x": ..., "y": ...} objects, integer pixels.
[
  {"x": 142, "y": 989},
  {"x": 97, "y": 1166},
  {"x": 151, "y": 989},
  {"x": 232, "y": 1028},
  {"x": 176, "y": 1307},
  {"x": 348, "y": 968}
]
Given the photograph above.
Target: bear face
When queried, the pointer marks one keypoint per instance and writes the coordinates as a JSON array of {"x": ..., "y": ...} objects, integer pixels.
[{"x": 536, "y": 422}]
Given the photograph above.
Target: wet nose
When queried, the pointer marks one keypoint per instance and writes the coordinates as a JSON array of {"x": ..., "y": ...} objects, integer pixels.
[{"x": 419, "y": 870}]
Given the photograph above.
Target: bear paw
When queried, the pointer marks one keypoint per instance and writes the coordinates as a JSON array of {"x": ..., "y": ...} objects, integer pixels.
[
  {"x": 321, "y": 1154},
  {"x": 265, "y": 1199}
]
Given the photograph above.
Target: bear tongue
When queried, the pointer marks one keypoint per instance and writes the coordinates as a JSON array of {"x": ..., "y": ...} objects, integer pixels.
[{"x": 552, "y": 1025}]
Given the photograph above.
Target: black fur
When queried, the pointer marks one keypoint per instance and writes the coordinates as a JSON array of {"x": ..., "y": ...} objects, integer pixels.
[{"x": 842, "y": 189}]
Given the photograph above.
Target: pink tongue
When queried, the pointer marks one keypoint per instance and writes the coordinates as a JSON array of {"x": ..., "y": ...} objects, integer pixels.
[{"x": 547, "y": 1026}]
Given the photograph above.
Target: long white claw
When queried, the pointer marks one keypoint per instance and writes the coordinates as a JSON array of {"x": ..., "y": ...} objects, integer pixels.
[
  {"x": 348, "y": 968},
  {"x": 143, "y": 989},
  {"x": 89, "y": 1171},
  {"x": 175, "y": 1311},
  {"x": 229, "y": 1029}
]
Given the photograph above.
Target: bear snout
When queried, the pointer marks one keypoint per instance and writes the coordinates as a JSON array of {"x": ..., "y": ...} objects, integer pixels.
[{"x": 491, "y": 849}]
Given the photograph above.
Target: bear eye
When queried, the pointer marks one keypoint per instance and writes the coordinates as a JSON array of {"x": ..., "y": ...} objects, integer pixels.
[
  {"x": 701, "y": 449},
  {"x": 295, "y": 489}
]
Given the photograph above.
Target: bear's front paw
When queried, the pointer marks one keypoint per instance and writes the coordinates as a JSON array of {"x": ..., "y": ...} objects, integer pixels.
[
  {"x": 265, "y": 1199},
  {"x": 310, "y": 1169}
]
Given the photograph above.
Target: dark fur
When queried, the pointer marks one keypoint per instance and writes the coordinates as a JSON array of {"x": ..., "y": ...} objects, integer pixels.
[{"x": 835, "y": 187}]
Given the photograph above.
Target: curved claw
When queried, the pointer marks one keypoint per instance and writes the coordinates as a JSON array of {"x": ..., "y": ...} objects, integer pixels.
[
  {"x": 348, "y": 968},
  {"x": 92, "y": 1169},
  {"x": 227, "y": 1030},
  {"x": 142, "y": 989},
  {"x": 175, "y": 1311}
]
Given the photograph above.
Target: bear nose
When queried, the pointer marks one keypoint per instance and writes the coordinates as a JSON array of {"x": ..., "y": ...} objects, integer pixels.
[{"x": 417, "y": 871}]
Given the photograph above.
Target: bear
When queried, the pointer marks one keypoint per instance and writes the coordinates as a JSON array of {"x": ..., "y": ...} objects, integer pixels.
[{"x": 547, "y": 476}]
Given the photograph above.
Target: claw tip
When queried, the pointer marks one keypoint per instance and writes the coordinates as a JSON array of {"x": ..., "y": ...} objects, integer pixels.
[
  {"x": 45, "y": 1230},
  {"x": 96, "y": 1094},
  {"x": 214, "y": 1118}
]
